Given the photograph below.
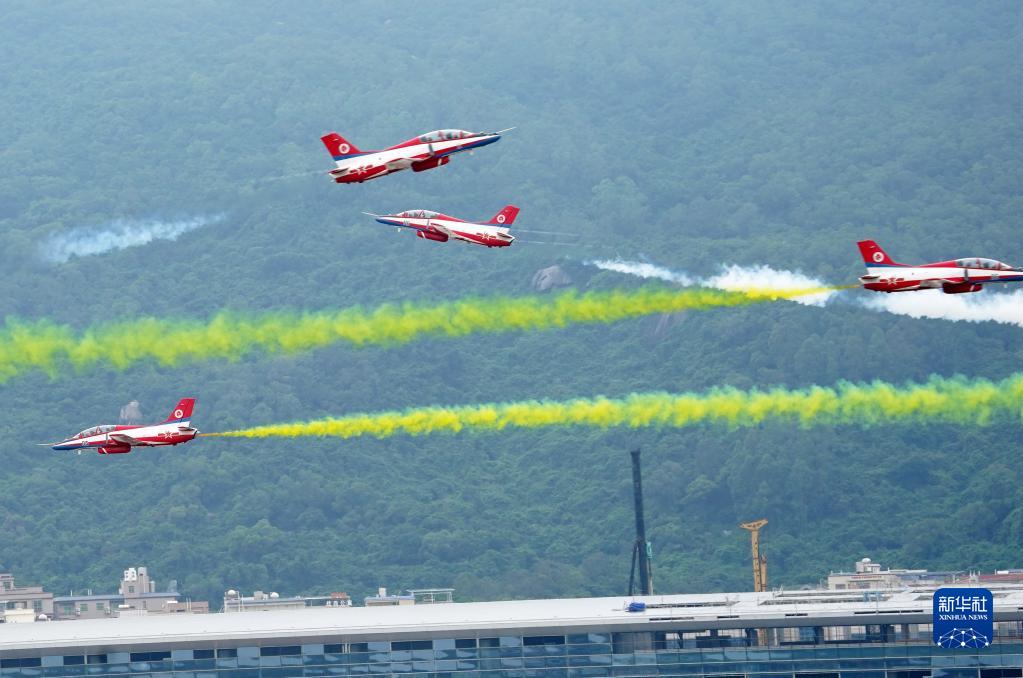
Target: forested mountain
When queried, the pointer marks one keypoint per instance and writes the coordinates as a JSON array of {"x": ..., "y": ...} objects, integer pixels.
[{"x": 694, "y": 133}]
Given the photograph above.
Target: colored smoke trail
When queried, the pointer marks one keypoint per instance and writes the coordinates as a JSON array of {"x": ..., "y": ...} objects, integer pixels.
[
  {"x": 49, "y": 347},
  {"x": 732, "y": 277},
  {"x": 954, "y": 400},
  {"x": 121, "y": 234}
]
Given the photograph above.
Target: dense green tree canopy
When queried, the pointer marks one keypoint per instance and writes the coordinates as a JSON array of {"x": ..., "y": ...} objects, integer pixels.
[{"x": 696, "y": 133}]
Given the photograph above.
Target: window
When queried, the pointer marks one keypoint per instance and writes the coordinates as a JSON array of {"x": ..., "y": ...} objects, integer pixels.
[
  {"x": 280, "y": 650},
  {"x": 443, "y": 134},
  {"x": 334, "y": 648},
  {"x": 543, "y": 640},
  {"x": 202, "y": 654},
  {"x": 412, "y": 645},
  {"x": 227, "y": 652},
  {"x": 73, "y": 660},
  {"x": 97, "y": 659},
  {"x": 149, "y": 656},
  {"x": 582, "y": 638},
  {"x": 465, "y": 643},
  {"x": 83, "y": 607},
  {"x": 131, "y": 589},
  {"x": 19, "y": 662}
]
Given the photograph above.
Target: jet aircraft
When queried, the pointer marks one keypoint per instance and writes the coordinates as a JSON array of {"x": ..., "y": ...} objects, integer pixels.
[
  {"x": 119, "y": 439},
  {"x": 956, "y": 276},
  {"x": 440, "y": 227},
  {"x": 423, "y": 152}
]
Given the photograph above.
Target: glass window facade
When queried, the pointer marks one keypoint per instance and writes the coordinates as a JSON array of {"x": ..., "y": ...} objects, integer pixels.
[{"x": 725, "y": 654}]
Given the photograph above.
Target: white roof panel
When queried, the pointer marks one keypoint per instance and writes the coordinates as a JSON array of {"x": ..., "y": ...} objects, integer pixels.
[{"x": 574, "y": 615}]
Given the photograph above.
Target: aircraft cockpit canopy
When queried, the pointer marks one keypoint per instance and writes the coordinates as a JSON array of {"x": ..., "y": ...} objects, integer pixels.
[
  {"x": 418, "y": 214},
  {"x": 96, "y": 430},
  {"x": 445, "y": 135},
  {"x": 990, "y": 264}
]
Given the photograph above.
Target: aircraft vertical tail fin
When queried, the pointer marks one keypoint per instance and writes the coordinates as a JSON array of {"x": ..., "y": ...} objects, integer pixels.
[
  {"x": 182, "y": 411},
  {"x": 338, "y": 147},
  {"x": 873, "y": 255},
  {"x": 505, "y": 217}
]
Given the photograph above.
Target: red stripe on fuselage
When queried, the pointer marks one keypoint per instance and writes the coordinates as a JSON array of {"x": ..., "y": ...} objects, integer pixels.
[{"x": 487, "y": 240}]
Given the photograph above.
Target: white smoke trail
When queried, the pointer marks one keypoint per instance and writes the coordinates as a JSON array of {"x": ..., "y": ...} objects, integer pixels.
[
  {"x": 642, "y": 270},
  {"x": 731, "y": 278},
  {"x": 986, "y": 306},
  {"x": 84, "y": 241}
]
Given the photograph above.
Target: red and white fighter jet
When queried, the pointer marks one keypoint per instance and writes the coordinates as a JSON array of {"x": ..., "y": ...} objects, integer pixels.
[
  {"x": 953, "y": 277},
  {"x": 440, "y": 227},
  {"x": 424, "y": 152},
  {"x": 119, "y": 439}
]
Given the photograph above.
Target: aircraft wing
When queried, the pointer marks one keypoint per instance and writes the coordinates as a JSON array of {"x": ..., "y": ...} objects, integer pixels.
[
  {"x": 937, "y": 283},
  {"x": 392, "y": 166},
  {"x": 399, "y": 164},
  {"x": 440, "y": 229},
  {"x": 122, "y": 439}
]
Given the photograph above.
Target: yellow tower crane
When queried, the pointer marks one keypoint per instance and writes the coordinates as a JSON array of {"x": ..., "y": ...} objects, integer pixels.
[{"x": 759, "y": 560}]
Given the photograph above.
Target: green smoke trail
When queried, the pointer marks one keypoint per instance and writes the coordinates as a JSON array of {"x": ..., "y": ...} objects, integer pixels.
[
  {"x": 956, "y": 400},
  {"x": 46, "y": 346}
]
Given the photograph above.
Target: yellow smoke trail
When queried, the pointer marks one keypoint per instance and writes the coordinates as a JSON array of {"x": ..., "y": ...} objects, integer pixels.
[
  {"x": 955, "y": 400},
  {"x": 49, "y": 347}
]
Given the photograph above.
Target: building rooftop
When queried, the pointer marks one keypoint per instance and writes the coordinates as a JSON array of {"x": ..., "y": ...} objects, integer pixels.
[
  {"x": 114, "y": 596},
  {"x": 577, "y": 615}
]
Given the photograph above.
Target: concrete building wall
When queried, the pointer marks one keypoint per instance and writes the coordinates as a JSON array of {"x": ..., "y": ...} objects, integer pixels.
[{"x": 33, "y": 598}]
